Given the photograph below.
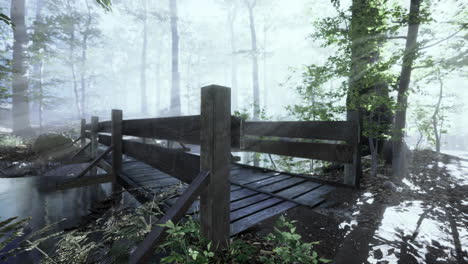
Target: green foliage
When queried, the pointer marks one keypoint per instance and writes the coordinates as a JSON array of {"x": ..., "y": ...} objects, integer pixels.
[
  {"x": 288, "y": 247},
  {"x": 5, "y": 19},
  {"x": 10, "y": 140}
]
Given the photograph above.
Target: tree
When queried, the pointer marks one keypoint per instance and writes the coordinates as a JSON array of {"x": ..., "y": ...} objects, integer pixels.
[
  {"x": 175, "y": 106},
  {"x": 231, "y": 19},
  {"x": 250, "y": 4},
  {"x": 21, "y": 123},
  {"x": 144, "y": 104},
  {"x": 403, "y": 85}
]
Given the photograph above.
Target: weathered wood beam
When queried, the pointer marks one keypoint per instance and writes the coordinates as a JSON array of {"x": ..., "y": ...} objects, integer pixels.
[
  {"x": 215, "y": 156},
  {"x": 353, "y": 171},
  {"x": 322, "y": 151},
  {"x": 328, "y": 130},
  {"x": 83, "y": 132},
  {"x": 94, "y": 162},
  {"x": 175, "y": 214},
  {"x": 94, "y": 141},
  {"x": 84, "y": 181},
  {"x": 81, "y": 150},
  {"x": 117, "y": 147}
]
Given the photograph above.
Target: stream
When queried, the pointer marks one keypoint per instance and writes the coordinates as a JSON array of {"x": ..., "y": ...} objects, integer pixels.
[{"x": 23, "y": 197}]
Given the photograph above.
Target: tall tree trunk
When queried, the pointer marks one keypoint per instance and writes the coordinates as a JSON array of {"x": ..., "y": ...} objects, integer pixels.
[
  {"x": 144, "y": 105},
  {"x": 254, "y": 50},
  {"x": 175, "y": 91},
  {"x": 20, "y": 110},
  {"x": 37, "y": 72},
  {"x": 71, "y": 53},
  {"x": 231, "y": 21},
  {"x": 84, "y": 58},
  {"x": 403, "y": 85},
  {"x": 435, "y": 116}
]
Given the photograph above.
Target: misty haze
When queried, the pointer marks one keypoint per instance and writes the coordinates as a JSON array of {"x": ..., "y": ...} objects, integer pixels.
[{"x": 233, "y": 131}]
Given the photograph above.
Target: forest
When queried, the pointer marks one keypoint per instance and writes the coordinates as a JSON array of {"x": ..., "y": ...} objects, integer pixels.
[{"x": 234, "y": 131}]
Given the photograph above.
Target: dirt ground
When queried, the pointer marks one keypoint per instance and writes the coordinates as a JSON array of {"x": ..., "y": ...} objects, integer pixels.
[{"x": 419, "y": 218}]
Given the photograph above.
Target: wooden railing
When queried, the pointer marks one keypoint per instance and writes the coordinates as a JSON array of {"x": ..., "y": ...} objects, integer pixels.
[{"x": 217, "y": 133}]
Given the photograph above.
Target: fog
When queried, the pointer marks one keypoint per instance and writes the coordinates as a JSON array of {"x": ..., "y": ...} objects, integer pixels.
[{"x": 110, "y": 76}]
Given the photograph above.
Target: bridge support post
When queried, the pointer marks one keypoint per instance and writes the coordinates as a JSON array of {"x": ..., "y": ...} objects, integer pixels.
[
  {"x": 353, "y": 171},
  {"x": 117, "y": 147},
  {"x": 83, "y": 132},
  {"x": 94, "y": 140},
  {"x": 215, "y": 156}
]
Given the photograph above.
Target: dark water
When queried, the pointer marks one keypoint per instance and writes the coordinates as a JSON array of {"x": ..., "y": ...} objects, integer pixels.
[{"x": 24, "y": 197}]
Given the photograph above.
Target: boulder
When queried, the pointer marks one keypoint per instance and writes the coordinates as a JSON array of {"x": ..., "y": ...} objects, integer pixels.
[{"x": 50, "y": 141}]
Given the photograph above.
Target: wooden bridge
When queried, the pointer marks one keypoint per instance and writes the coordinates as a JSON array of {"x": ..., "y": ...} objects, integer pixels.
[{"x": 233, "y": 196}]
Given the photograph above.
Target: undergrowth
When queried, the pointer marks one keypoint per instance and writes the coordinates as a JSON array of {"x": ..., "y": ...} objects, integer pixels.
[{"x": 111, "y": 239}]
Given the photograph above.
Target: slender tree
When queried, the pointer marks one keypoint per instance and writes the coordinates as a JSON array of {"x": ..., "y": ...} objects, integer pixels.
[
  {"x": 231, "y": 19},
  {"x": 250, "y": 4},
  {"x": 21, "y": 123},
  {"x": 403, "y": 85},
  {"x": 143, "y": 103},
  {"x": 175, "y": 76}
]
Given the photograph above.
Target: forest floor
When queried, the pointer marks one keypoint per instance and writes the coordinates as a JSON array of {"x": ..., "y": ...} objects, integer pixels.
[{"x": 417, "y": 218}]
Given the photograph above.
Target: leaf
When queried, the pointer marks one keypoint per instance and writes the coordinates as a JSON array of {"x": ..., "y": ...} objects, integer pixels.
[{"x": 5, "y": 19}]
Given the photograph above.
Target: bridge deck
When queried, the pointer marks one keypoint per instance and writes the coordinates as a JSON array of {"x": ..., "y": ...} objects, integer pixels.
[{"x": 256, "y": 194}]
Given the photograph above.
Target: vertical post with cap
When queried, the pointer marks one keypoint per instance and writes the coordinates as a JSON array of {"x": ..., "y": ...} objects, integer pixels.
[
  {"x": 94, "y": 140},
  {"x": 83, "y": 132},
  {"x": 116, "y": 140},
  {"x": 215, "y": 157},
  {"x": 353, "y": 171}
]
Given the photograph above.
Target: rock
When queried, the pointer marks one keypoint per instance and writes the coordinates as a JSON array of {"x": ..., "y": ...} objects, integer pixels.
[
  {"x": 49, "y": 141},
  {"x": 389, "y": 186}
]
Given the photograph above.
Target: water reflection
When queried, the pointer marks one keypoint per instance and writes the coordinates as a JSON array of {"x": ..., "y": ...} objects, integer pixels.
[{"x": 23, "y": 197}]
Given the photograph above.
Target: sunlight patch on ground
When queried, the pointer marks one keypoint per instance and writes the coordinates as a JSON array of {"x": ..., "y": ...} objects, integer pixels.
[{"x": 402, "y": 220}]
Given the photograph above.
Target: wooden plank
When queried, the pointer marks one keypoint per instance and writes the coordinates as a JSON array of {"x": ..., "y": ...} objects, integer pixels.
[
  {"x": 180, "y": 128},
  {"x": 275, "y": 187},
  {"x": 248, "y": 201},
  {"x": 84, "y": 181},
  {"x": 328, "y": 130},
  {"x": 175, "y": 213},
  {"x": 321, "y": 151},
  {"x": 247, "y": 176},
  {"x": 314, "y": 197},
  {"x": 299, "y": 189},
  {"x": 106, "y": 126},
  {"x": 157, "y": 182},
  {"x": 241, "y": 193},
  {"x": 176, "y": 163},
  {"x": 215, "y": 156},
  {"x": 151, "y": 177},
  {"x": 246, "y": 211},
  {"x": 268, "y": 181},
  {"x": 105, "y": 166},
  {"x": 245, "y": 223}
]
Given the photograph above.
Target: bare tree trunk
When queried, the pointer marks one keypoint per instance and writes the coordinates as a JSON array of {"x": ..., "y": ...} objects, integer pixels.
[
  {"x": 20, "y": 110},
  {"x": 231, "y": 20},
  {"x": 37, "y": 72},
  {"x": 403, "y": 85},
  {"x": 254, "y": 50},
  {"x": 435, "y": 116},
  {"x": 84, "y": 57},
  {"x": 144, "y": 105},
  {"x": 175, "y": 91}
]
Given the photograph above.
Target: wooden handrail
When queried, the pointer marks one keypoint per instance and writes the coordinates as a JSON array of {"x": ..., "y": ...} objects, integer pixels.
[
  {"x": 175, "y": 214},
  {"x": 81, "y": 150},
  {"x": 94, "y": 162}
]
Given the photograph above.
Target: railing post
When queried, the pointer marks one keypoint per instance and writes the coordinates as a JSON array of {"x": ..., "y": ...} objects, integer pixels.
[
  {"x": 117, "y": 147},
  {"x": 215, "y": 157},
  {"x": 94, "y": 140},
  {"x": 83, "y": 132},
  {"x": 353, "y": 172}
]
